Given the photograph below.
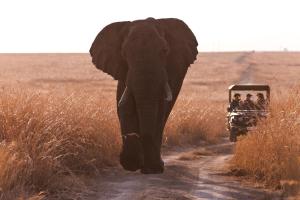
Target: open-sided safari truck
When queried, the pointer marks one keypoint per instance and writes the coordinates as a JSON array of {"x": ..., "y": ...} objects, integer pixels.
[{"x": 243, "y": 111}]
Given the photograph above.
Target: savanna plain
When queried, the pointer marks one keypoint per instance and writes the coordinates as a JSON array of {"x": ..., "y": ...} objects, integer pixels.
[{"x": 59, "y": 127}]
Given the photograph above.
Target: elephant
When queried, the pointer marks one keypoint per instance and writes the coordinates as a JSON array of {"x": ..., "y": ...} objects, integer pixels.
[{"x": 149, "y": 58}]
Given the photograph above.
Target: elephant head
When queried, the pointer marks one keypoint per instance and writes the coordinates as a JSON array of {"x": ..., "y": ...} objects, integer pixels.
[{"x": 149, "y": 58}]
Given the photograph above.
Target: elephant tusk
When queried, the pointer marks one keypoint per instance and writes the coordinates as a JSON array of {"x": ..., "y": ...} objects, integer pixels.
[
  {"x": 130, "y": 134},
  {"x": 168, "y": 92},
  {"x": 123, "y": 97}
]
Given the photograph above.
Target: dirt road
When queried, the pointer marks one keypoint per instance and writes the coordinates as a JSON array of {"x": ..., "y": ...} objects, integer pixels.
[
  {"x": 247, "y": 75},
  {"x": 194, "y": 173}
]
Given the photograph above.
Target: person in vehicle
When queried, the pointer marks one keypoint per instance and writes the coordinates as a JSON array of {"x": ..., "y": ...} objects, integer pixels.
[
  {"x": 248, "y": 104},
  {"x": 235, "y": 103},
  {"x": 261, "y": 101}
]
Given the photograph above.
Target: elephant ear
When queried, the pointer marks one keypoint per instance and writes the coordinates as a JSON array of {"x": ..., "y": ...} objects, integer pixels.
[
  {"x": 182, "y": 44},
  {"x": 106, "y": 50}
]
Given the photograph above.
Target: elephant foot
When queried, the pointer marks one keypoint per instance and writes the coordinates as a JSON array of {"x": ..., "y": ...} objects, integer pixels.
[
  {"x": 157, "y": 169},
  {"x": 131, "y": 157}
]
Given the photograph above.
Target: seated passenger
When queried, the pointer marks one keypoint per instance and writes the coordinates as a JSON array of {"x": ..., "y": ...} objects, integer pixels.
[
  {"x": 261, "y": 101},
  {"x": 248, "y": 104},
  {"x": 235, "y": 103}
]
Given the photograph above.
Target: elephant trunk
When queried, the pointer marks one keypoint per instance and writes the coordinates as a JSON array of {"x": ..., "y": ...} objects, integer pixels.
[
  {"x": 167, "y": 90},
  {"x": 149, "y": 101},
  {"x": 147, "y": 114}
]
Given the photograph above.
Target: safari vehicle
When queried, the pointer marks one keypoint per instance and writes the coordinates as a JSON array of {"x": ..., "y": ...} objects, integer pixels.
[{"x": 243, "y": 119}]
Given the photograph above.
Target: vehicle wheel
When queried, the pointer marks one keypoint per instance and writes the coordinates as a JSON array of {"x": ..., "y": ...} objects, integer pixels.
[{"x": 233, "y": 135}]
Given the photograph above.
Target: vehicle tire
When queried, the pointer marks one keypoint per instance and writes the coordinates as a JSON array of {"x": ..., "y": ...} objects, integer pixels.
[{"x": 233, "y": 135}]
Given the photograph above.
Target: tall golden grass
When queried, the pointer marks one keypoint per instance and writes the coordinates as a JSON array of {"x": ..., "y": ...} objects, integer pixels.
[
  {"x": 193, "y": 120},
  {"x": 271, "y": 153},
  {"x": 50, "y": 141}
]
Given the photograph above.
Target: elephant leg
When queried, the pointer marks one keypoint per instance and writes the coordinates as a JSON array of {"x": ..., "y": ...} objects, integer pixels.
[
  {"x": 166, "y": 107},
  {"x": 127, "y": 112},
  {"x": 131, "y": 157}
]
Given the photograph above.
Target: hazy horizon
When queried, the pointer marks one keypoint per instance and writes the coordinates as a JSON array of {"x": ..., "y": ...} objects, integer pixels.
[
  {"x": 55, "y": 26},
  {"x": 200, "y": 51}
]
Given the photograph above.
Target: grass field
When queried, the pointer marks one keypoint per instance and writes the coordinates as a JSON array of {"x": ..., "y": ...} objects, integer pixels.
[
  {"x": 271, "y": 153},
  {"x": 58, "y": 115}
]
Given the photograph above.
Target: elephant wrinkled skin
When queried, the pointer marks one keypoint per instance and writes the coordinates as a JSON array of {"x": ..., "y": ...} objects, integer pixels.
[{"x": 149, "y": 58}]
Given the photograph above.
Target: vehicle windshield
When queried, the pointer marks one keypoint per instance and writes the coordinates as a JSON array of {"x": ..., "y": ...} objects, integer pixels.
[{"x": 248, "y": 100}]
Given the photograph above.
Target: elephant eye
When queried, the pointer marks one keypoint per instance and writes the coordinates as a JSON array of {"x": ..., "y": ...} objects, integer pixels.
[{"x": 165, "y": 49}]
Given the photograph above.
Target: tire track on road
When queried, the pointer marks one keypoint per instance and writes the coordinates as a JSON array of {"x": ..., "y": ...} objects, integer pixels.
[
  {"x": 247, "y": 76},
  {"x": 194, "y": 173}
]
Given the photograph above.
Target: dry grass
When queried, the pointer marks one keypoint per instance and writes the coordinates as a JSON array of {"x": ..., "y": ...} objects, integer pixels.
[
  {"x": 50, "y": 140},
  {"x": 193, "y": 120},
  {"x": 61, "y": 125},
  {"x": 271, "y": 153},
  {"x": 47, "y": 140}
]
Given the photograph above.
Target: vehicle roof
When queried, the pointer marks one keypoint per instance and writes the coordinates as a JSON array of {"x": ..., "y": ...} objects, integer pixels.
[{"x": 256, "y": 87}]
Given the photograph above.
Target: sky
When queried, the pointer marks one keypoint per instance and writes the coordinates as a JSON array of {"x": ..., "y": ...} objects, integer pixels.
[{"x": 62, "y": 26}]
